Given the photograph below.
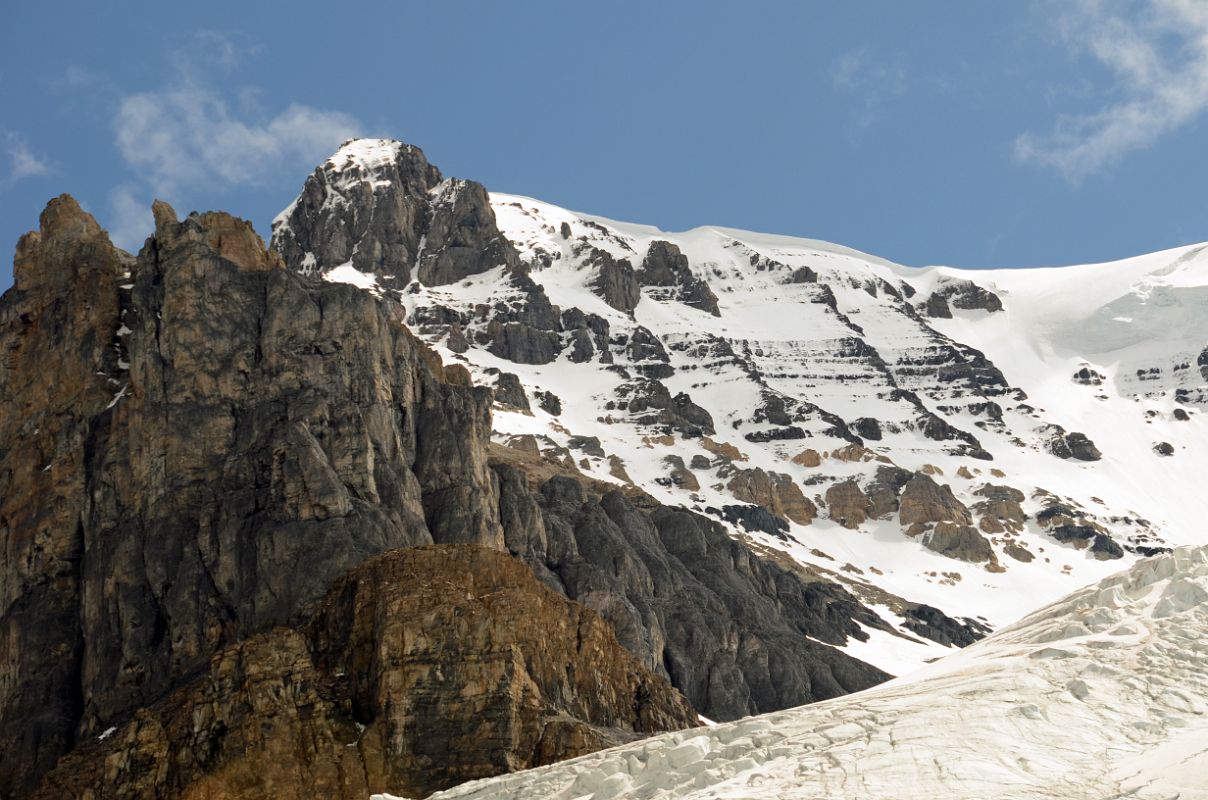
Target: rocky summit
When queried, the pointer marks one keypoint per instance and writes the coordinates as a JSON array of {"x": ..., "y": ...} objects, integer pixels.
[{"x": 440, "y": 484}]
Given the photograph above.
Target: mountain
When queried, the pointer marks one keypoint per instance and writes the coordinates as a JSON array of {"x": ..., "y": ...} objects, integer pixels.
[
  {"x": 1098, "y": 695},
  {"x": 441, "y": 484},
  {"x": 978, "y": 442},
  {"x": 202, "y": 448}
]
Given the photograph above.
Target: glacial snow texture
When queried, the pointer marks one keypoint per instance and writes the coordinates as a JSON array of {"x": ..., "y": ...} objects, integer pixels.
[{"x": 1100, "y": 695}]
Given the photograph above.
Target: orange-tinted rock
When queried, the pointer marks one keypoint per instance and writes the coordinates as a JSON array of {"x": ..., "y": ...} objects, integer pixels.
[
  {"x": 774, "y": 491},
  {"x": 847, "y": 505},
  {"x": 423, "y": 668}
]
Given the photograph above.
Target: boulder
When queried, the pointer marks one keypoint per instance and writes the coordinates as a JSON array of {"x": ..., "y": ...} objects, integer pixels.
[
  {"x": 961, "y": 542},
  {"x": 925, "y": 501},
  {"x": 775, "y": 491},
  {"x": 847, "y": 505}
]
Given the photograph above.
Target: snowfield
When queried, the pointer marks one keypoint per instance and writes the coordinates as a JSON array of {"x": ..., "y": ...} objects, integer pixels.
[{"x": 1102, "y": 694}]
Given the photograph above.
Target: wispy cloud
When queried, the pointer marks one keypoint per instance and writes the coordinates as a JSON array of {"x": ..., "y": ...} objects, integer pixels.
[
  {"x": 22, "y": 162},
  {"x": 191, "y": 136},
  {"x": 1157, "y": 52},
  {"x": 870, "y": 78}
]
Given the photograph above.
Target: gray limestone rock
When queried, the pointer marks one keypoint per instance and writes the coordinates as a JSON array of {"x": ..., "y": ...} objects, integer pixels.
[
  {"x": 664, "y": 265},
  {"x": 393, "y": 216}
]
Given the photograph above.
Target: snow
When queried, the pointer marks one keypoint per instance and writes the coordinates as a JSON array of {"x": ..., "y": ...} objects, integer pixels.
[
  {"x": 369, "y": 155},
  {"x": 1102, "y": 694},
  {"x": 346, "y": 273}
]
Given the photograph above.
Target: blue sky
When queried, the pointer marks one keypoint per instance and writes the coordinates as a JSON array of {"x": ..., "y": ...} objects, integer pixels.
[{"x": 972, "y": 133}]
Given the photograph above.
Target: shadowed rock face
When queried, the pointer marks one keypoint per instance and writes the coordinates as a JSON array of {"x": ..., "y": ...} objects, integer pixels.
[
  {"x": 422, "y": 668},
  {"x": 194, "y": 458},
  {"x": 58, "y": 327},
  {"x": 727, "y": 628},
  {"x": 665, "y": 266}
]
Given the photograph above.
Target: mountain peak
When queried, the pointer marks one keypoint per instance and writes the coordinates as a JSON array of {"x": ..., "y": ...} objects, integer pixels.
[{"x": 367, "y": 154}]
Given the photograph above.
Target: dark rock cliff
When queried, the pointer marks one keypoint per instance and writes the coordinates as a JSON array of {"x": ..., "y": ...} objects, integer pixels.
[
  {"x": 728, "y": 628},
  {"x": 422, "y": 668},
  {"x": 193, "y": 445}
]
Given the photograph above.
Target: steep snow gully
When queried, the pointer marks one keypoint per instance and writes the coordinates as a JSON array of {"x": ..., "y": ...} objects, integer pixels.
[{"x": 1102, "y": 694}]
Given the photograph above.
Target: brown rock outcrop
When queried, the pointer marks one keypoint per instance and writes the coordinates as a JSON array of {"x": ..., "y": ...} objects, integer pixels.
[
  {"x": 847, "y": 505},
  {"x": 1000, "y": 511},
  {"x": 723, "y": 450},
  {"x": 775, "y": 491},
  {"x": 808, "y": 458},
  {"x": 468, "y": 667},
  {"x": 423, "y": 668},
  {"x": 961, "y": 542},
  {"x": 924, "y": 501}
]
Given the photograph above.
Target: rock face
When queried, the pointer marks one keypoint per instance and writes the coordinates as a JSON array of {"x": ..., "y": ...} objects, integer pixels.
[
  {"x": 885, "y": 487},
  {"x": 651, "y": 403},
  {"x": 726, "y": 628},
  {"x": 616, "y": 281},
  {"x": 924, "y": 501},
  {"x": 460, "y": 665},
  {"x": 847, "y": 505},
  {"x": 222, "y": 440},
  {"x": 437, "y": 231},
  {"x": 665, "y": 266},
  {"x": 65, "y": 301},
  {"x": 423, "y": 668},
  {"x": 961, "y": 542},
  {"x": 775, "y": 491},
  {"x": 968, "y": 295}
]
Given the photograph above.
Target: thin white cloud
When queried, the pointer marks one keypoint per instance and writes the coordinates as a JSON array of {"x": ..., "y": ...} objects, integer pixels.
[
  {"x": 22, "y": 162},
  {"x": 1157, "y": 51},
  {"x": 190, "y": 136},
  {"x": 870, "y": 78}
]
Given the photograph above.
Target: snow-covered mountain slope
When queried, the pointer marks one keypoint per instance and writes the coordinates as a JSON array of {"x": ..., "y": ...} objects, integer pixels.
[
  {"x": 1102, "y": 694},
  {"x": 977, "y": 441}
]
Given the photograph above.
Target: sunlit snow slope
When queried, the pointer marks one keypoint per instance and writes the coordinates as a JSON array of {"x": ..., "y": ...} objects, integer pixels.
[
  {"x": 1100, "y": 695},
  {"x": 977, "y": 441}
]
